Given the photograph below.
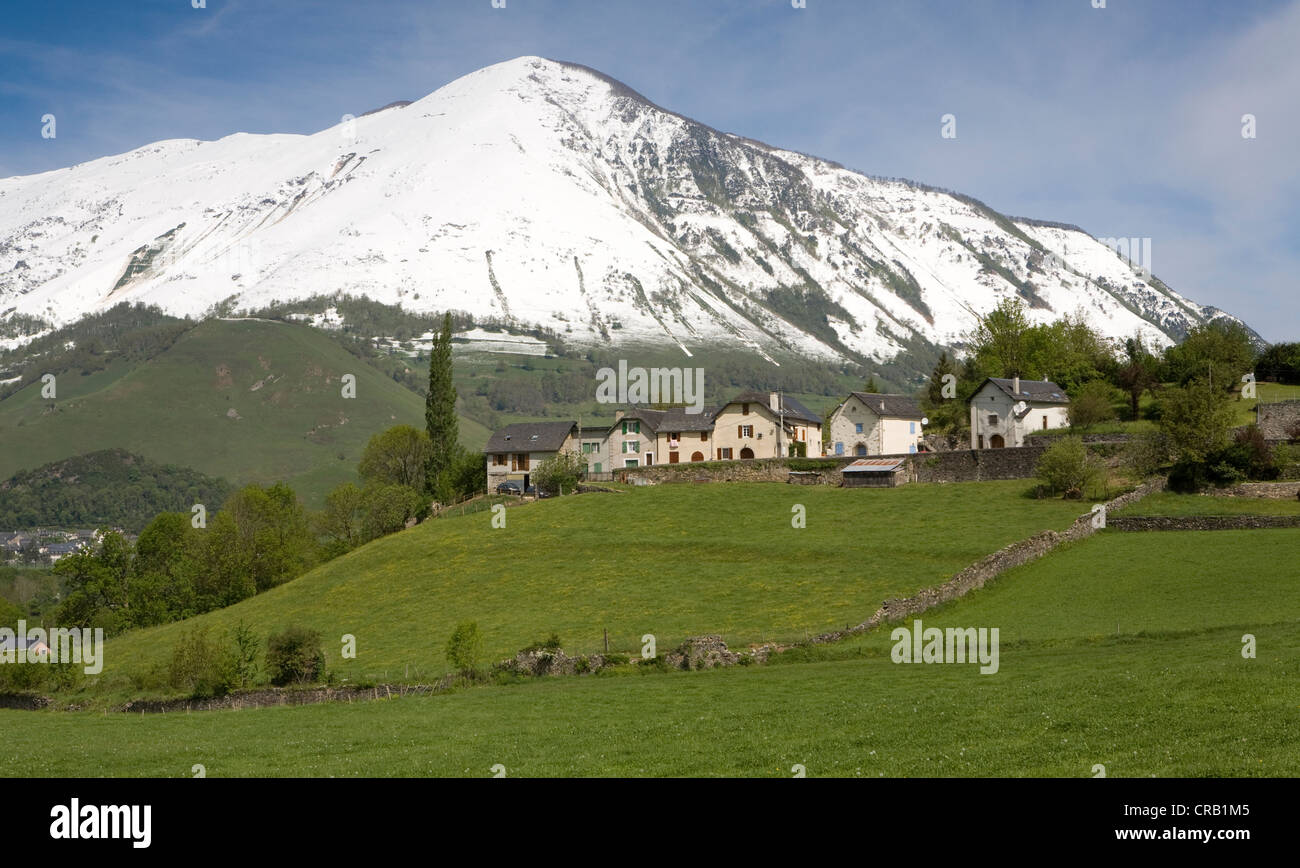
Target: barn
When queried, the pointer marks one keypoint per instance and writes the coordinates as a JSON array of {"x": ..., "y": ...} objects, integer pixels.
[{"x": 875, "y": 473}]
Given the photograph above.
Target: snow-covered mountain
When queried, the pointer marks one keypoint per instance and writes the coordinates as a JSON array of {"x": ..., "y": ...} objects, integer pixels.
[{"x": 547, "y": 194}]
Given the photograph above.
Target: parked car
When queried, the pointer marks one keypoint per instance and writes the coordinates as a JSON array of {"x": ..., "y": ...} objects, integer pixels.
[{"x": 509, "y": 488}]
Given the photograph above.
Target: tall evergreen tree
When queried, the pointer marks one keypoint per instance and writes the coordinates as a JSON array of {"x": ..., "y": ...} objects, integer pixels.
[{"x": 440, "y": 413}]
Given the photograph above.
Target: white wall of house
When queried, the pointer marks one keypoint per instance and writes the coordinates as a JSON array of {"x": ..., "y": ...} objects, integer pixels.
[
  {"x": 994, "y": 422},
  {"x": 515, "y": 465},
  {"x": 740, "y": 434},
  {"x": 857, "y": 429}
]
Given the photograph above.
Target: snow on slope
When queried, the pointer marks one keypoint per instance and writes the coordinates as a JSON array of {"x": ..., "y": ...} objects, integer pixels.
[{"x": 543, "y": 193}]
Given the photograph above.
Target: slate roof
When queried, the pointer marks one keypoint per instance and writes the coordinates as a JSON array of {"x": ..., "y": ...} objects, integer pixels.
[
  {"x": 530, "y": 437},
  {"x": 680, "y": 419},
  {"x": 1038, "y": 391},
  {"x": 672, "y": 419},
  {"x": 793, "y": 409},
  {"x": 895, "y": 406}
]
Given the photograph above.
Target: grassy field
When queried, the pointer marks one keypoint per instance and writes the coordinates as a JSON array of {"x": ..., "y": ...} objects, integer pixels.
[
  {"x": 671, "y": 560},
  {"x": 1169, "y": 503},
  {"x": 1169, "y": 695},
  {"x": 247, "y": 400}
]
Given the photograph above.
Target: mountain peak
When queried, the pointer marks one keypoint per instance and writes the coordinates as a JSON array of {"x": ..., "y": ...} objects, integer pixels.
[{"x": 543, "y": 193}]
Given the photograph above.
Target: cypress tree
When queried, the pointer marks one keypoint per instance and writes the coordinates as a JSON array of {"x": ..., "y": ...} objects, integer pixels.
[{"x": 440, "y": 413}]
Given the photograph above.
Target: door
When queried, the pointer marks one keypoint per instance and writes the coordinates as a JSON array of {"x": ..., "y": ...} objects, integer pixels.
[{"x": 996, "y": 442}]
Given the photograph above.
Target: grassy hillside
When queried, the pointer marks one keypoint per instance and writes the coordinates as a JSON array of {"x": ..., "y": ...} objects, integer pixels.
[
  {"x": 671, "y": 560},
  {"x": 1170, "y": 696},
  {"x": 108, "y": 487},
  {"x": 247, "y": 400}
]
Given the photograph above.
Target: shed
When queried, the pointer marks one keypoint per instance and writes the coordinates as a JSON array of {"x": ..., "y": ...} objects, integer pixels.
[{"x": 875, "y": 473}]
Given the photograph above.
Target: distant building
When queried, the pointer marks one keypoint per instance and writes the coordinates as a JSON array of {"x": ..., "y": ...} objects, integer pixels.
[
  {"x": 514, "y": 452},
  {"x": 867, "y": 423},
  {"x": 1004, "y": 411}
]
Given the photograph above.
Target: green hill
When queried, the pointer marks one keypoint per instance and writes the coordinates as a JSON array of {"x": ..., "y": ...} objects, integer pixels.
[
  {"x": 670, "y": 560},
  {"x": 108, "y": 487},
  {"x": 248, "y": 400},
  {"x": 1169, "y": 693}
]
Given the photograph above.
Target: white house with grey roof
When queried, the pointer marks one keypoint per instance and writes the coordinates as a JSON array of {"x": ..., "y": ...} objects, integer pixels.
[
  {"x": 868, "y": 423},
  {"x": 514, "y": 452},
  {"x": 1005, "y": 411}
]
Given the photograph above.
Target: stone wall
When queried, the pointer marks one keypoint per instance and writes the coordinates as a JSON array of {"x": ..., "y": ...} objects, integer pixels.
[
  {"x": 1202, "y": 522},
  {"x": 1277, "y": 419},
  {"x": 1273, "y": 490},
  {"x": 964, "y": 465},
  {"x": 1049, "y": 439}
]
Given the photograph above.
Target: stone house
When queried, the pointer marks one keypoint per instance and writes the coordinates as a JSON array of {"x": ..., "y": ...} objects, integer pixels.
[
  {"x": 1004, "y": 411},
  {"x": 765, "y": 425},
  {"x": 514, "y": 452},
  {"x": 866, "y": 423}
]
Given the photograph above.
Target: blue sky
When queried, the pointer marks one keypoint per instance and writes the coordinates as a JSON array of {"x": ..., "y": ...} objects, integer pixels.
[{"x": 1124, "y": 120}]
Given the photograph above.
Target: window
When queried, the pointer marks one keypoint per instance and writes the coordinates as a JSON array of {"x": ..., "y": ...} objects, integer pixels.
[
  {"x": 631, "y": 446},
  {"x": 499, "y": 460},
  {"x": 744, "y": 430},
  {"x": 911, "y": 427},
  {"x": 597, "y": 468},
  {"x": 724, "y": 454},
  {"x": 857, "y": 429},
  {"x": 704, "y": 436},
  {"x": 993, "y": 418},
  {"x": 631, "y": 427},
  {"x": 839, "y": 448}
]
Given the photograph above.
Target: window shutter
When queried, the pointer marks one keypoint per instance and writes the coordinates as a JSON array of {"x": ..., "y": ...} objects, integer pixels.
[{"x": 740, "y": 430}]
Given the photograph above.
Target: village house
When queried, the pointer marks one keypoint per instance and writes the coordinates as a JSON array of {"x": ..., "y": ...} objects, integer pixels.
[
  {"x": 683, "y": 437},
  {"x": 765, "y": 425},
  {"x": 514, "y": 452},
  {"x": 593, "y": 447},
  {"x": 866, "y": 423},
  {"x": 1004, "y": 411}
]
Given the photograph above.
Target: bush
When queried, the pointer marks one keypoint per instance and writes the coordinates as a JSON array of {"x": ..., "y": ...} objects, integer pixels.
[
  {"x": 201, "y": 667},
  {"x": 1068, "y": 468},
  {"x": 465, "y": 646},
  {"x": 558, "y": 474},
  {"x": 1094, "y": 403},
  {"x": 294, "y": 656}
]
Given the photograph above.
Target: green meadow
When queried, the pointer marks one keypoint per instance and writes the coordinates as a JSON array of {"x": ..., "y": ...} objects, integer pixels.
[
  {"x": 1169, "y": 694},
  {"x": 670, "y": 560}
]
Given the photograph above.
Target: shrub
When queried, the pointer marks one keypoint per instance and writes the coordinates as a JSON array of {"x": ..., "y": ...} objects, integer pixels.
[
  {"x": 558, "y": 474},
  {"x": 201, "y": 667},
  {"x": 616, "y": 659},
  {"x": 1068, "y": 468},
  {"x": 294, "y": 656},
  {"x": 1094, "y": 403},
  {"x": 465, "y": 646}
]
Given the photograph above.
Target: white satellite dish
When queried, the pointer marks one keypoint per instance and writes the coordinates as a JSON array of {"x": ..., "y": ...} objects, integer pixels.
[
  {"x": 1020, "y": 407},
  {"x": 925, "y": 420}
]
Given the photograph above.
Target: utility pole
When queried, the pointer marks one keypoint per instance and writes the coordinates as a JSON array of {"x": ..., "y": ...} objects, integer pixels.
[{"x": 780, "y": 428}]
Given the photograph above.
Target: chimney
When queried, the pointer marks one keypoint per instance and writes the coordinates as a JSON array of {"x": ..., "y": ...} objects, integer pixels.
[
  {"x": 774, "y": 401},
  {"x": 882, "y": 407},
  {"x": 618, "y": 415},
  {"x": 1015, "y": 385}
]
